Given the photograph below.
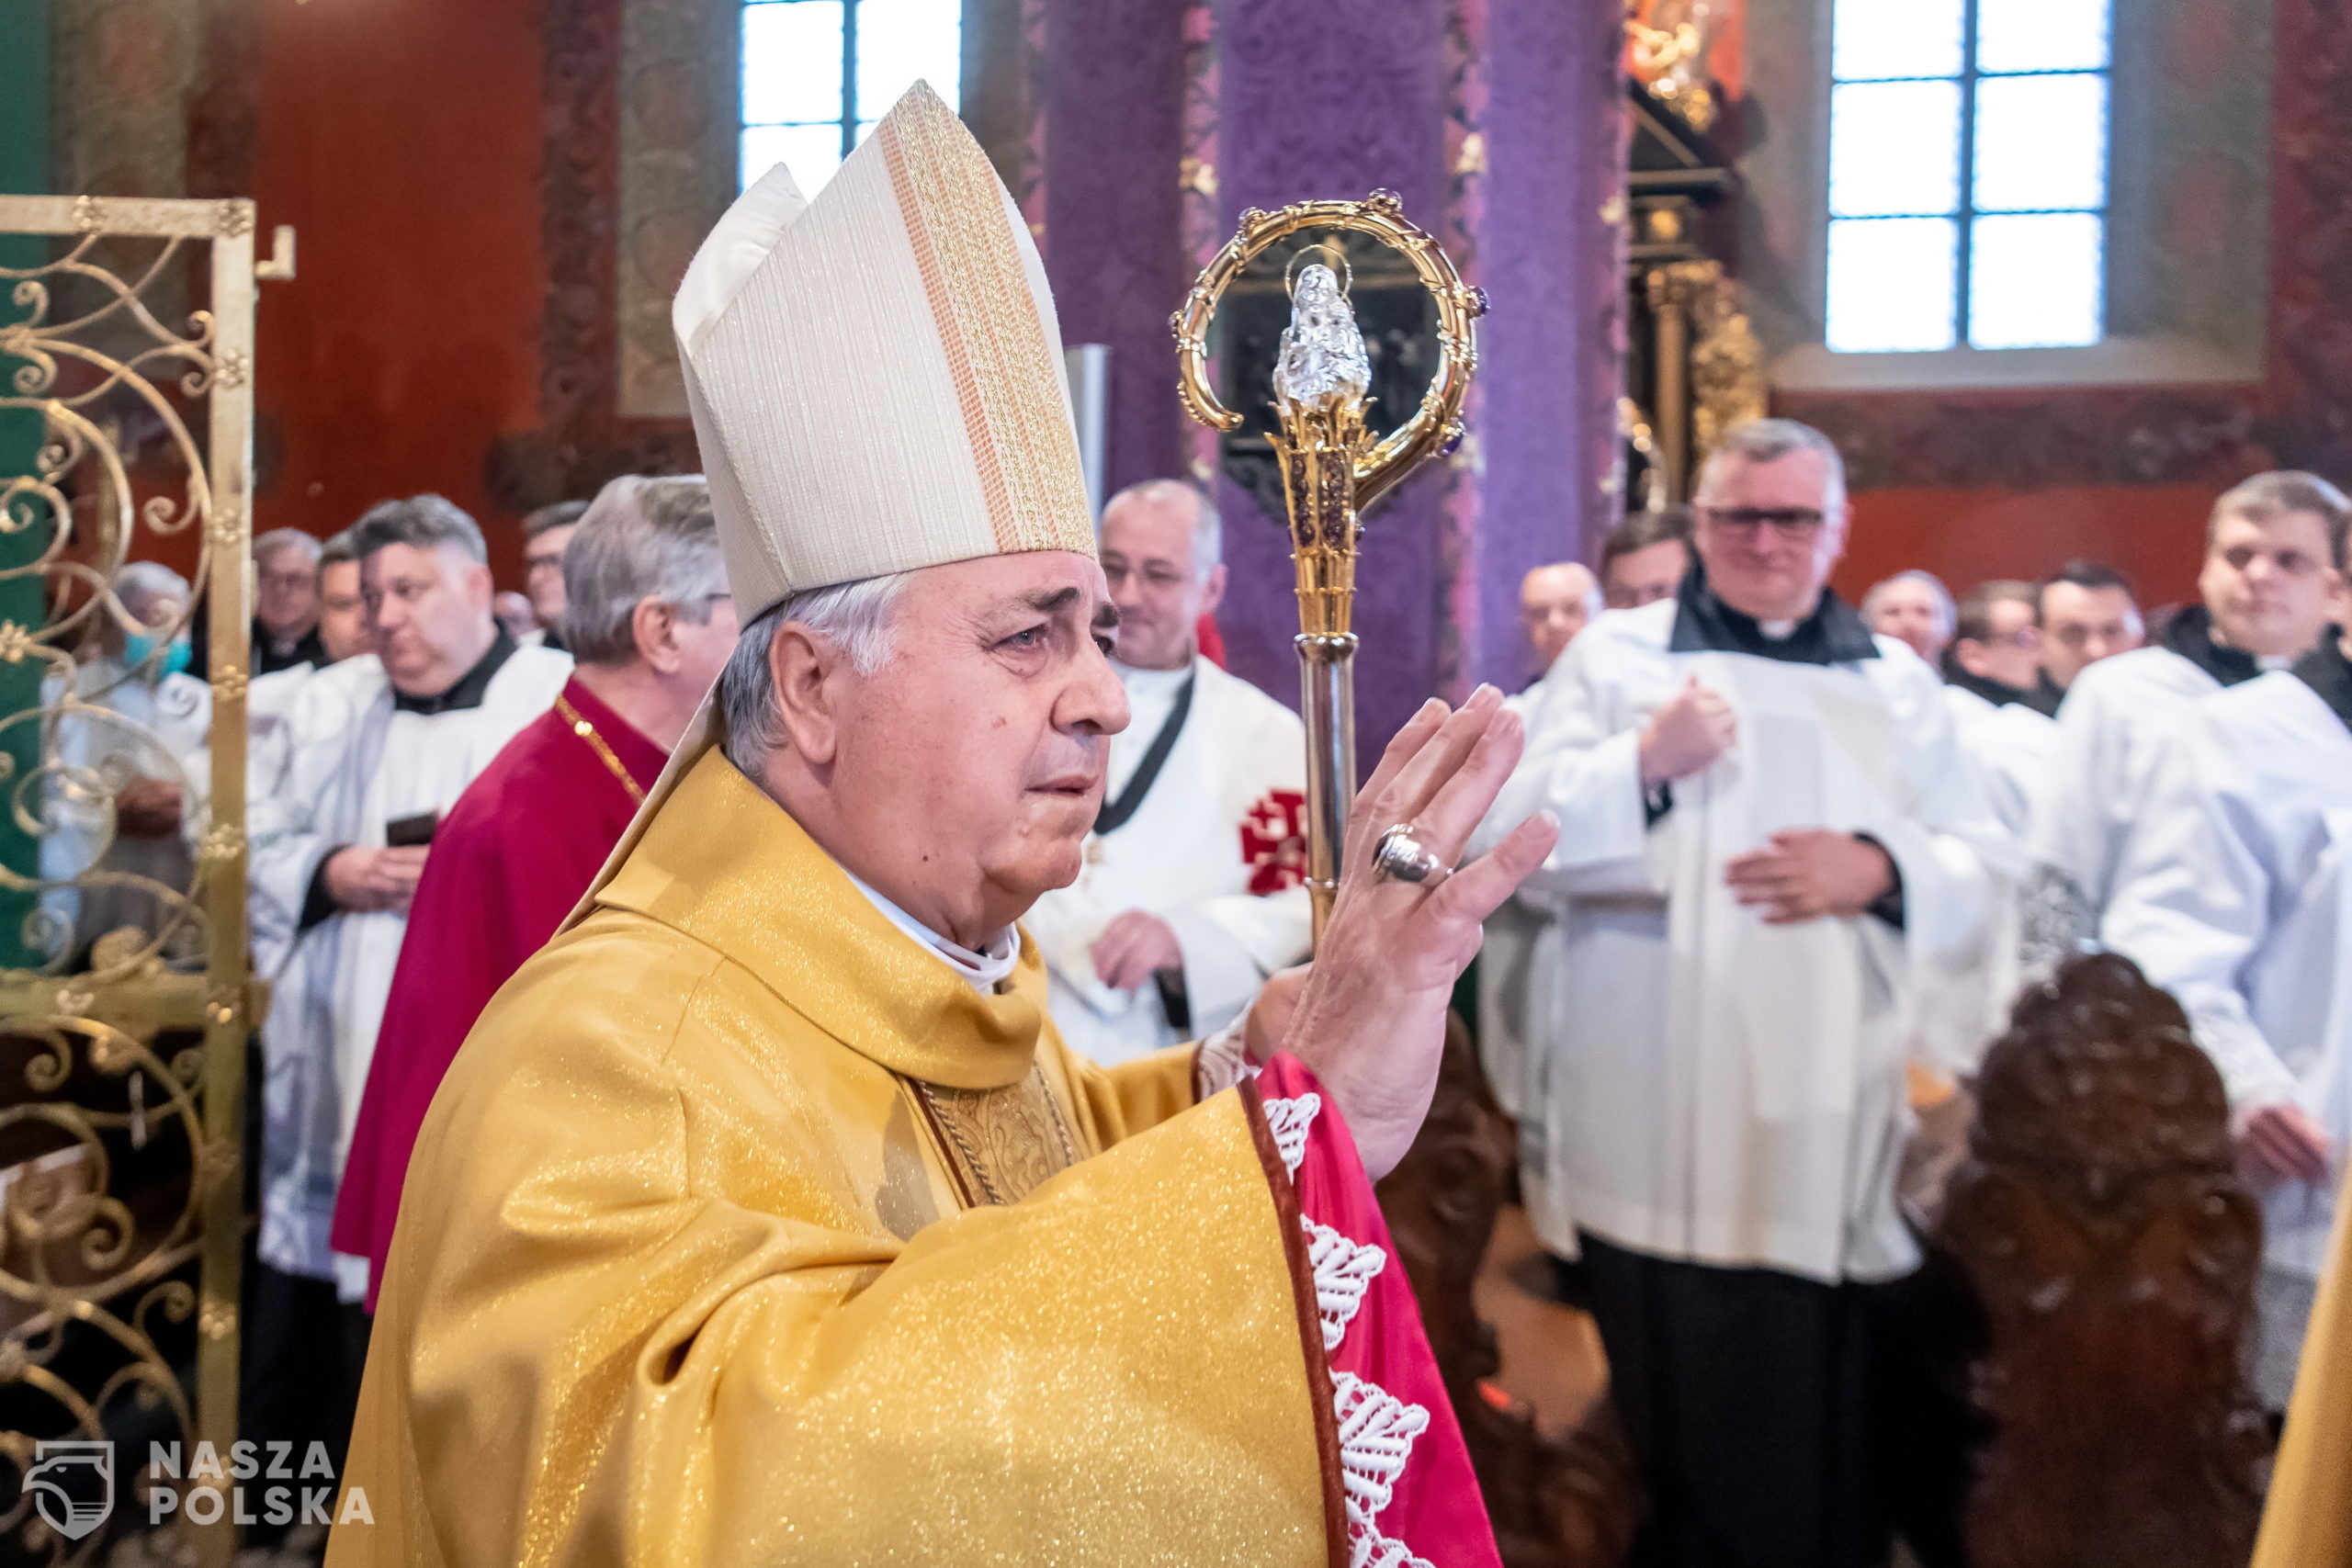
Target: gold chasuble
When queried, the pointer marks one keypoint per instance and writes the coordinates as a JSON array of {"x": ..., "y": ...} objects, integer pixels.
[
  {"x": 708, "y": 1256},
  {"x": 2307, "y": 1522}
]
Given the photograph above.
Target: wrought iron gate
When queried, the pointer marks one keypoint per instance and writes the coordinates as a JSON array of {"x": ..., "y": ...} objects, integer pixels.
[{"x": 125, "y": 998}]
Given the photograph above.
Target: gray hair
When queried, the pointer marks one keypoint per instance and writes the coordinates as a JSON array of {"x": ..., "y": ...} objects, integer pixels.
[
  {"x": 1208, "y": 527},
  {"x": 640, "y": 538},
  {"x": 853, "y": 616},
  {"x": 145, "y": 580},
  {"x": 420, "y": 521},
  {"x": 1769, "y": 440},
  {"x": 277, "y": 539},
  {"x": 1947, "y": 613},
  {"x": 341, "y": 549}
]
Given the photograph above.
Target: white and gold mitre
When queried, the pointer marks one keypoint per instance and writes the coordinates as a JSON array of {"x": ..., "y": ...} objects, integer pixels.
[{"x": 876, "y": 375}]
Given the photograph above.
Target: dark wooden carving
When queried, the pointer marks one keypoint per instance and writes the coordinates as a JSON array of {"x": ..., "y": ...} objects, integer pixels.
[
  {"x": 1555, "y": 1502},
  {"x": 2115, "y": 1251}
]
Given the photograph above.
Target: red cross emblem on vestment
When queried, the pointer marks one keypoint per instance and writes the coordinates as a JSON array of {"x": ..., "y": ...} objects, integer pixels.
[{"x": 1273, "y": 841}]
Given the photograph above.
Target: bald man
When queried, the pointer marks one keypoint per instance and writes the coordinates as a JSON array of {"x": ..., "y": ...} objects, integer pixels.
[{"x": 1556, "y": 602}]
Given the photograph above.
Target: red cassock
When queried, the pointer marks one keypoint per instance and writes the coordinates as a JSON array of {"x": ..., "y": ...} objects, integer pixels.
[{"x": 508, "y": 862}]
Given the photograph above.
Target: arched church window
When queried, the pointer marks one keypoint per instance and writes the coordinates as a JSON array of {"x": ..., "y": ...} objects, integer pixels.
[
  {"x": 1968, "y": 175},
  {"x": 818, "y": 73}
]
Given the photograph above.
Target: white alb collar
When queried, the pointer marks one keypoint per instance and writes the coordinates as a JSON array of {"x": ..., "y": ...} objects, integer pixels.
[{"x": 984, "y": 970}]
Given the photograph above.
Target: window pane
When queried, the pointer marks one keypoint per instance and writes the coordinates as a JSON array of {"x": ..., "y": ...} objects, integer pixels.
[
  {"x": 1877, "y": 38},
  {"x": 2037, "y": 281},
  {"x": 1894, "y": 148},
  {"x": 2040, "y": 142},
  {"x": 792, "y": 62},
  {"x": 811, "y": 152},
  {"x": 2041, "y": 35},
  {"x": 1891, "y": 283},
  {"x": 902, "y": 40}
]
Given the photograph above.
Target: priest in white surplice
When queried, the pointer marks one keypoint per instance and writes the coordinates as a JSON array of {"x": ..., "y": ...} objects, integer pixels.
[
  {"x": 2264, "y": 602},
  {"x": 1193, "y": 891},
  {"x": 2234, "y": 893},
  {"x": 374, "y": 749},
  {"x": 1767, "y": 846}
]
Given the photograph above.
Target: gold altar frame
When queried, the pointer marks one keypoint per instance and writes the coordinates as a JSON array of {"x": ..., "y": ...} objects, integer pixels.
[{"x": 72, "y": 364}]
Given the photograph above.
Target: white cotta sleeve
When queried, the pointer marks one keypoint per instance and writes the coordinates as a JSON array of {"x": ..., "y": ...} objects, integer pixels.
[
  {"x": 1582, "y": 763},
  {"x": 1231, "y": 943},
  {"x": 2191, "y": 906}
]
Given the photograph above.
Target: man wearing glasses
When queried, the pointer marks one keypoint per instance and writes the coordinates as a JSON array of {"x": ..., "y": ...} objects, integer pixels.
[{"x": 1770, "y": 849}]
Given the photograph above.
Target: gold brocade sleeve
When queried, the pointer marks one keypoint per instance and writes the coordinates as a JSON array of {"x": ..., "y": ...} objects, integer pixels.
[
  {"x": 2308, "y": 1521},
  {"x": 644, "y": 1307}
]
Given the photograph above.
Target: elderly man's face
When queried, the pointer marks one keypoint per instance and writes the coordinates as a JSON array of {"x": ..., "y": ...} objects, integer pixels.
[
  {"x": 428, "y": 612},
  {"x": 1908, "y": 611},
  {"x": 1643, "y": 576},
  {"x": 1555, "y": 602},
  {"x": 966, "y": 771},
  {"x": 1151, "y": 564},
  {"x": 285, "y": 591},
  {"x": 1769, "y": 533}
]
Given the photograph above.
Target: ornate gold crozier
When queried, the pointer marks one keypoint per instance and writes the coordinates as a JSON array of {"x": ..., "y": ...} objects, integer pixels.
[{"x": 1332, "y": 467}]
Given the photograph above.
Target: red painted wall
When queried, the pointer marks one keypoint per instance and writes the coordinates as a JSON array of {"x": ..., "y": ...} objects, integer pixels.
[
  {"x": 401, "y": 139},
  {"x": 2154, "y": 534}
]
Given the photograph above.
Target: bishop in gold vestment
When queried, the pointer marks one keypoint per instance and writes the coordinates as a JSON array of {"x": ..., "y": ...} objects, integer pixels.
[{"x": 762, "y": 1218}]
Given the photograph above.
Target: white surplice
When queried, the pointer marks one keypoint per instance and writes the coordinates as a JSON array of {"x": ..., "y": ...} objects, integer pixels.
[
  {"x": 1715, "y": 1088},
  {"x": 1216, "y": 849},
  {"x": 2234, "y": 894},
  {"x": 351, "y": 762},
  {"x": 2009, "y": 745}
]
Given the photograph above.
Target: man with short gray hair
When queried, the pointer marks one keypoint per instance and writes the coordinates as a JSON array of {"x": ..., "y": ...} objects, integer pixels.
[
  {"x": 375, "y": 749},
  {"x": 649, "y": 622},
  {"x": 1192, "y": 891},
  {"x": 286, "y": 601}
]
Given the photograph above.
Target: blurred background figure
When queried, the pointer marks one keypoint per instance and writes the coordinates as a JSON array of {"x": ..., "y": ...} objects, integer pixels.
[
  {"x": 514, "y": 613},
  {"x": 344, "y": 632},
  {"x": 1996, "y": 645},
  {"x": 1913, "y": 607},
  {"x": 2087, "y": 615},
  {"x": 1556, "y": 602},
  {"x": 1645, "y": 558},
  {"x": 1192, "y": 891},
  {"x": 126, "y": 798},
  {"x": 545, "y": 533},
  {"x": 286, "y": 601}
]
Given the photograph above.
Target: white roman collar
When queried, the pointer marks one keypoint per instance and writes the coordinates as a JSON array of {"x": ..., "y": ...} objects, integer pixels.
[{"x": 984, "y": 970}]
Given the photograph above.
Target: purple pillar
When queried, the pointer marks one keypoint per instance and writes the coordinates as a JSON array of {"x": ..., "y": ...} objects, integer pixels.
[
  {"x": 1113, "y": 242},
  {"x": 1331, "y": 100},
  {"x": 1552, "y": 344}
]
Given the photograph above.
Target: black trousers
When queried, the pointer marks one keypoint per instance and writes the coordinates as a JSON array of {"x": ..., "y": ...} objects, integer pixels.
[
  {"x": 1779, "y": 1422},
  {"x": 304, "y": 1355}
]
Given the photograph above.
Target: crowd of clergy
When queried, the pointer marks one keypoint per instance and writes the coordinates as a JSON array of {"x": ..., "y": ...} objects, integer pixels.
[{"x": 1808, "y": 853}]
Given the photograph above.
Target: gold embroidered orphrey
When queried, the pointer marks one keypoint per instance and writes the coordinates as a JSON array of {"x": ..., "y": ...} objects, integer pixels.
[{"x": 1003, "y": 1143}]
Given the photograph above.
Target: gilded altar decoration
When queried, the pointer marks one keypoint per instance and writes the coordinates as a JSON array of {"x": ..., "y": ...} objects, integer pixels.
[
  {"x": 1709, "y": 374},
  {"x": 1332, "y": 463},
  {"x": 1666, "y": 45},
  {"x": 125, "y": 437}
]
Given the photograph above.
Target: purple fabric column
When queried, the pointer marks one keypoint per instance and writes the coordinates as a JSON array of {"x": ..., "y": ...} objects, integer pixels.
[
  {"x": 1113, "y": 242},
  {"x": 1552, "y": 344},
  {"x": 1325, "y": 100}
]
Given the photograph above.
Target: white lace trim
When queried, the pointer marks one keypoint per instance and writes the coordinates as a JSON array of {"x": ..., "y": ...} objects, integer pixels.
[
  {"x": 1343, "y": 1271},
  {"x": 1288, "y": 1121},
  {"x": 1376, "y": 1428},
  {"x": 1222, "y": 1061}
]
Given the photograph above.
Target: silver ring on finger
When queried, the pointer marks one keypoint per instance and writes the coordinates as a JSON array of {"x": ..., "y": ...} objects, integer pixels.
[{"x": 1400, "y": 857}]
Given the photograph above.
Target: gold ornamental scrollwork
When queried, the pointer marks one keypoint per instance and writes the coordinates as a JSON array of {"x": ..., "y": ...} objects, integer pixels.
[{"x": 126, "y": 996}]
